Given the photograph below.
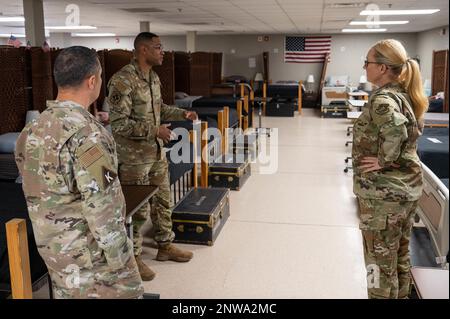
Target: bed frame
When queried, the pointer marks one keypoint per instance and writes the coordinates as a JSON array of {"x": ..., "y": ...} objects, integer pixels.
[
  {"x": 299, "y": 94},
  {"x": 433, "y": 210},
  {"x": 189, "y": 179}
]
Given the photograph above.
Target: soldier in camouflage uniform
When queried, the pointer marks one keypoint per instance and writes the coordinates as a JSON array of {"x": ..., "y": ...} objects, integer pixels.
[
  {"x": 69, "y": 167},
  {"x": 387, "y": 171},
  {"x": 136, "y": 112}
]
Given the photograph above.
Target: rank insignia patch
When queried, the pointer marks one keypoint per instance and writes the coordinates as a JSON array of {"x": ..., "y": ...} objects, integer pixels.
[{"x": 382, "y": 109}]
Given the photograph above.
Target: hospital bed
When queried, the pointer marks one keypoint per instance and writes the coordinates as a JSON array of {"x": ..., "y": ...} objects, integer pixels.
[
  {"x": 286, "y": 92},
  {"x": 436, "y": 119},
  {"x": 433, "y": 210},
  {"x": 433, "y": 150}
]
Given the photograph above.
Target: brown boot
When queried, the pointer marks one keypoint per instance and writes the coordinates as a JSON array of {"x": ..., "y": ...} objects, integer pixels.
[
  {"x": 169, "y": 251},
  {"x": 146, "y": 273}
]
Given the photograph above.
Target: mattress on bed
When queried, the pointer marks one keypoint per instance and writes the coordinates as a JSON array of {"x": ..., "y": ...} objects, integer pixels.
[
  {"x": 433, "y": 152},
  {"x": 285, "y": 90},
  {"x": 8, "y": 167},
  {"x": 189, "y": 125},
  {"x": 186, "y": 102},
  {"x": 436, "y": 105},
  {"x": 282, "y": 90},
  {"x": 436, "y": 118},
  {"x": 435, "y": 131},
  {"x": 216, "y": 101},
  {"x": 13, "y": 205}
]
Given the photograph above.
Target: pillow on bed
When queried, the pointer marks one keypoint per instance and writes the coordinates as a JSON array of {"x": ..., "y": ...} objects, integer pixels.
[
  {"x": 287, "y": 82},
  {"x": 181, "y": 95},
  {"x": 338, "y": 80},
  {"x": 8, "y": 142},
  {"x": 236, "y": 79}
]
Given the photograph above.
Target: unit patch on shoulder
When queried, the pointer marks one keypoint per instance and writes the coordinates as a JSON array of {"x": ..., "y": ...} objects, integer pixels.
[{"x": 115, "y": 97}]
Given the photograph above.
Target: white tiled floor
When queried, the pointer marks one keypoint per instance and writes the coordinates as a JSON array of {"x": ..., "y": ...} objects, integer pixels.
[{"x": 293, "y": 234}]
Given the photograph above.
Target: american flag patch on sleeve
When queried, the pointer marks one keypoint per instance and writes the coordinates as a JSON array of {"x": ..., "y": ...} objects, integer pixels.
[{"x": 91, "y": 156}]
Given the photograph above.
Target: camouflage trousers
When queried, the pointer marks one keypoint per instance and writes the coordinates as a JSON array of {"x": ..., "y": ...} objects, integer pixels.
[
  {"x": 158, "y": 208},
  {"x": 96, "y": 282},
  {"x": 386, "y": 230}
]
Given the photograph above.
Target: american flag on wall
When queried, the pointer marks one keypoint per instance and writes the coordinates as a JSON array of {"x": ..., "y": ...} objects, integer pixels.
[
  {"x": 13, "y": 41},
  {"x": 306, "y": 49}
]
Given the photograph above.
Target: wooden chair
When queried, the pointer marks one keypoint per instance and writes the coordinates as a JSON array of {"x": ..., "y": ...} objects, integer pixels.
[{"x": 19, "y": 259}]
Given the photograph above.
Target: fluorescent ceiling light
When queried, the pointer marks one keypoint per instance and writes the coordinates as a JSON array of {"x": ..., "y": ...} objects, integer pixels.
[
  {"x": 93, "y": 34},
  {"x": 8, "y": 35},
  {"x": 364, "y": 30},
  {"x": 12, "y": 19},
  {"x": 377, "y": 22},
  {"x": 75, "y": 27},
  {"x": 397, "y": 12}
]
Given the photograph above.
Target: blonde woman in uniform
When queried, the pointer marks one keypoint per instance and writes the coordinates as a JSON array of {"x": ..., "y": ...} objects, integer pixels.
[{"x": 387, "y": 171}]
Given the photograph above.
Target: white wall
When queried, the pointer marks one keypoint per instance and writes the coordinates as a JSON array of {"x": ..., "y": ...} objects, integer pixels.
[
  {"x": 348, "y": 52},
  {"x": 428, "y": 41},
  {"x": 347, "y": 55}
]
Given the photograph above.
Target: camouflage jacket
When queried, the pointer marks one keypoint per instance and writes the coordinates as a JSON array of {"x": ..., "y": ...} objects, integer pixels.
[
  {"x": 388, "y": 129},
  {"x": 136, "y": 111},
  {"x": 75, "y": 202}
]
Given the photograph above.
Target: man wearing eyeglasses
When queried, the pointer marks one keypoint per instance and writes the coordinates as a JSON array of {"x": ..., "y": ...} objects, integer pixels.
[{"x": 136, "y": 112}]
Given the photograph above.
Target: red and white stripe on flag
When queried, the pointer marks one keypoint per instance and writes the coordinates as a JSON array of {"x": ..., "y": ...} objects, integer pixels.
[
  {"x": 13, "y": 41},
  {"x": 306, "y": 49}
]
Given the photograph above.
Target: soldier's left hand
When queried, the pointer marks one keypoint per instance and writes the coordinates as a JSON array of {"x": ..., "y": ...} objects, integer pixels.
[
  {"x": 190, "y": 115},
  {"x": 371, "y": 164}
]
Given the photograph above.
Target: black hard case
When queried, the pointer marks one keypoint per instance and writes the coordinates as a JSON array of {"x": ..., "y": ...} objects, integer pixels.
[
  {"x": 199, "y": 217},
  {"x": 336, "y": 110},
  {"x": 229, "y": 172},
  {"x": 280, "y": 107}
]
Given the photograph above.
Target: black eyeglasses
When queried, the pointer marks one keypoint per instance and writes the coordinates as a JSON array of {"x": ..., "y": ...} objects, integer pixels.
[
  {"x": 366, "y": 63},
  {"x": 158, "y": 47}
]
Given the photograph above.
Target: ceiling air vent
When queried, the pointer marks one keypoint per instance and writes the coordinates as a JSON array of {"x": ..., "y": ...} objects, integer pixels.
[
  {"x": 143, "y": 10},
  {"x": 337, "y": 21},
  {"x": 346, "y": 5},
  {"x": 195, "y": 23}
]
